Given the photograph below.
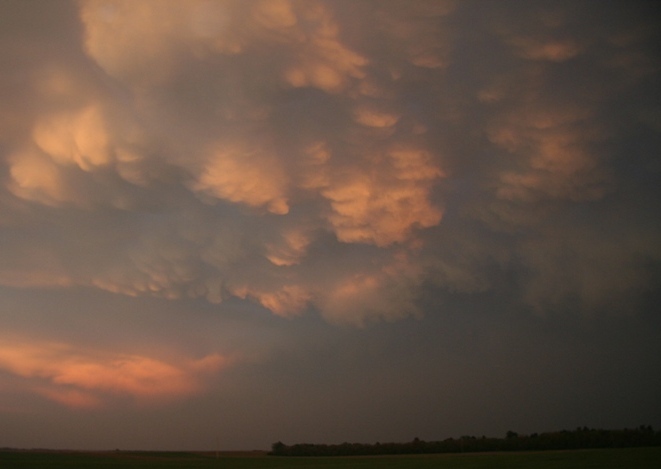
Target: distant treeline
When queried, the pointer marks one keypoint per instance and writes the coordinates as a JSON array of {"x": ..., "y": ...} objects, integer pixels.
[{"x": 577, "y": 439}]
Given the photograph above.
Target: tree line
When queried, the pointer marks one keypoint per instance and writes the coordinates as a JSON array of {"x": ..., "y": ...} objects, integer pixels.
[{"x": 581, "y": 438}]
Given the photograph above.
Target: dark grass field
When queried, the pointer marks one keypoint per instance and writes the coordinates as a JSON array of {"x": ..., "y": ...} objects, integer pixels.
[{"x": 629, "y": 458}]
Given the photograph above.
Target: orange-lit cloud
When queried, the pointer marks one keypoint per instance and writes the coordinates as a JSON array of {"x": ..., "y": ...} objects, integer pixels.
[
  {"x": 87, "y": 378},
  {"x": 383, "y": 207},
  {"x": 555, "y": 149},
  {"x": 36, "y": 177},
  {"x": 375, "y": 118},
  {"x": 217, "y": 149},
  {"x": 543, "y": 36},
  {"x": 322, "y": 61},
  {"x": 383, "y": 293},
  {"x": 551, "y": 50},
  {"x": 79, "y": 138},
  {"x": 145, "y": 30},
  {"x": 283, "y": 300},
  {"x": 290, "y": 249},
  {"x": 245, "y": 174},
  {"x": 142, "y": 43}
]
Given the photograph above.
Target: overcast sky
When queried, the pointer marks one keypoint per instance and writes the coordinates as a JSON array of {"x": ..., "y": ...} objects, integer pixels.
[{"x": 229, "y": 223}]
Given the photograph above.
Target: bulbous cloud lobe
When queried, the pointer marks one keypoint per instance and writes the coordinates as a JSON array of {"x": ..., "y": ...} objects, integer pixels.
[{"x": 338, "y": 156}]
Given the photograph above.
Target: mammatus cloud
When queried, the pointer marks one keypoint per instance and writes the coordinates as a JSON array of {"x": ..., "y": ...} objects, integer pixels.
[
  {"x": 305, "y": 154},
  {"x": 242, "y": 170},
  {"x": 90, "y": 378}
]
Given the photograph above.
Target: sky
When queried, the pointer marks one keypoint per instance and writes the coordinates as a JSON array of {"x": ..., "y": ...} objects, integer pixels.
[{"x": 227, "y": 223}]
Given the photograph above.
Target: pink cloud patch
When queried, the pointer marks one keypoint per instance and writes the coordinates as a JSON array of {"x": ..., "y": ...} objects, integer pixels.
[{"x": 82, "y": 378}]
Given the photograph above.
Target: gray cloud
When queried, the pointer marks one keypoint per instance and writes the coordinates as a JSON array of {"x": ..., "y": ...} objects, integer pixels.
[
  {"x": 365, "y": 162},
  {"x": 273, "y": 135}
]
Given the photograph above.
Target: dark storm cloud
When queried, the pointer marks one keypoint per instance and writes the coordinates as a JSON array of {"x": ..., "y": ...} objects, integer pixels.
[
  {"x": 366, "y": 162},
  {"x": 293, "y": 126}
]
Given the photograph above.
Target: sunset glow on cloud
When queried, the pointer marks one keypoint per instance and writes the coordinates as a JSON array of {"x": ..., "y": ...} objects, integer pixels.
[
  {"x": 367, "y": 180},
  {"x": 342, "y": 194},
  {"x": 83, "y": 378}
]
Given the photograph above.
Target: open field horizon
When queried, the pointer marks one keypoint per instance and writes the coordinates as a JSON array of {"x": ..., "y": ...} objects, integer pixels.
[
  {"x": 225, "y": 223},
  {"x": 616, "y": 458}
]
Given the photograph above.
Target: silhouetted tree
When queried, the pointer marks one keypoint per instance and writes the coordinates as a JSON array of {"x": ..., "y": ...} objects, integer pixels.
[{"x": 582, "y": 437}]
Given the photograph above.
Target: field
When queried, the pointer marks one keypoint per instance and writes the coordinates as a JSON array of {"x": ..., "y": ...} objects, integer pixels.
[{"x": 629, "y": 458}]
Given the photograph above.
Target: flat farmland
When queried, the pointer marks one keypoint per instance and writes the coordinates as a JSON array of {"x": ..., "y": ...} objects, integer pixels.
[{"x": 629, "y": 458}]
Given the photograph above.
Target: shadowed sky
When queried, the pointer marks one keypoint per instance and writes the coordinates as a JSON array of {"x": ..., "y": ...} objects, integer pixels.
[{"x": 228, "y": 223}]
